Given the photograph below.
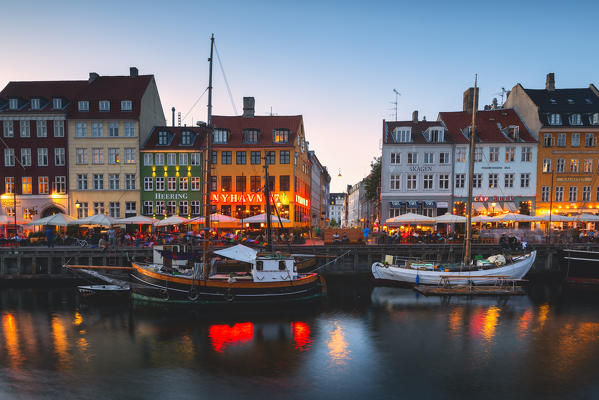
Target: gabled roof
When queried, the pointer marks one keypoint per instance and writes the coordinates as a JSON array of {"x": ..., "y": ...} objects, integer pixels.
[
  {"x": 565, "y": 102},
  {"x": 418, "y": 128},
  {"x": 176, "y": 133},
  {"x": 265, "y": 124},
  {"x": 491, "y": 126},
  {"x": 115, "y": 89},
  {"x": 44, "y": 90}
]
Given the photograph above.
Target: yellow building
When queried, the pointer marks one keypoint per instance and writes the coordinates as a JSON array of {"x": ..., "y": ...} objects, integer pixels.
[
  {"x": 241, "y": 147},
  {"x": 107, "y": 123}
]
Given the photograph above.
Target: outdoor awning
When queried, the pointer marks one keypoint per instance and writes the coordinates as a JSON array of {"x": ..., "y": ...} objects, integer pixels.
[
  {"x": 395, "y": 204},
  {"x": 442, "y": 204},
  {"x": 510, "y": 206},
  {"x": 430, "y": 204},
  {"x": 412, "y": 204},
  {"x": 479, "y": 207}
]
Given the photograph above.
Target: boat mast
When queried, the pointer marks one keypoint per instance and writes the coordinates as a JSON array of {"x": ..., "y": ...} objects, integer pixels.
[
  {"x": 207, "y": 203},
  {"x": 267, "y": 198},
  {"x": 468, "y": 249}
]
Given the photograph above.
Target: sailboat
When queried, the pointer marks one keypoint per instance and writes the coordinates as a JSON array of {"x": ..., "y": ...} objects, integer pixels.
[
  {"x": 480, "y": 272},
  {"x": 238, "y": 275}
]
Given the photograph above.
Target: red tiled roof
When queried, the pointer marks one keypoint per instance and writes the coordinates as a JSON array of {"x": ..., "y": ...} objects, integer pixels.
[
  {"x": 488, "y": 125},
  {"x": 266, "y": 124},
  {"x": 114, "y": 89},
  {"x": 418, "y": 128},
  {"x": 175, "y": 144},
  {"x": 46, "y": 90}
]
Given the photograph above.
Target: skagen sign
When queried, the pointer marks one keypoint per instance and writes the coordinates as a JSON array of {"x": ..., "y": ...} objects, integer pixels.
[
  {"x": 171, "y": 196},
  {"x": 421, "y": 169}
]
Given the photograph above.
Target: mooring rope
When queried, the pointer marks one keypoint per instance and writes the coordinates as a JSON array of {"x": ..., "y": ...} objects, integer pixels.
[{"x": 333, "y": 260}]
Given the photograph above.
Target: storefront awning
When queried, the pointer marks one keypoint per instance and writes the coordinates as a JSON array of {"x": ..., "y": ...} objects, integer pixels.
[
  {"x": 395, "y": 204},
  {"x": 412, "y": 204},
  {"x": 430, "y": 204},
  {"x": 479, "y": 207},
  {"x": 510, "y": 206}
]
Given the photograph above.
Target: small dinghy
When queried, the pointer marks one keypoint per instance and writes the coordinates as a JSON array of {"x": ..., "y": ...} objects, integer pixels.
[{"x": 105, "y": 292}]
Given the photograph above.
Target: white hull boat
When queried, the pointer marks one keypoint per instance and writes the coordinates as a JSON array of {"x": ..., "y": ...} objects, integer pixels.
[{"x": 517, "y": 268}]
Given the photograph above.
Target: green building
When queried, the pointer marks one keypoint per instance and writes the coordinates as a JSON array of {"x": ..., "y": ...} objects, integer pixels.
[{"x": 172, "y": 172}]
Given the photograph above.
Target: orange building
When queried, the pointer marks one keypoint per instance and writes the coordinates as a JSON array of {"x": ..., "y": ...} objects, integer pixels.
[
  {"x": 566, "y": 123},
  {"x": 241, "y": 147}
]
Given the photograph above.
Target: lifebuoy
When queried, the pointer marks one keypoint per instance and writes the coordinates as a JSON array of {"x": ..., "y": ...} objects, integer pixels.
[
  {"x": 165, "y": 294},
  {"x": 193, "y": 294}
]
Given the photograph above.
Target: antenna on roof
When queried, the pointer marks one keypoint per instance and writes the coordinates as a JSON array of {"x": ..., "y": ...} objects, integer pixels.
[
  {"x": 179, "y": 118},
  {"x": 397, "y": 94},
  {"x": 503, "y": 94}
]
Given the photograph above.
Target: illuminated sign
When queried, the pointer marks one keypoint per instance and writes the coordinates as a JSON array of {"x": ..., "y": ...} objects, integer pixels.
[
  {"x": 493, "y": 198},
  {"x": 301, "y": 201},
  {"x": 171, "y": 196},
  {"x": 254, "y": 198}
]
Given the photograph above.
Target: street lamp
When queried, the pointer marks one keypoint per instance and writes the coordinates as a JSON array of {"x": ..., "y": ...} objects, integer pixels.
[{"x": 493, "y": 205}]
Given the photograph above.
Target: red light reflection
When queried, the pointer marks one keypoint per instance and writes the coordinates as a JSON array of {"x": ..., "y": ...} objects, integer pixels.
[
  {"x": 225, "y": 335},
  {"x": 301, "y": 335}
]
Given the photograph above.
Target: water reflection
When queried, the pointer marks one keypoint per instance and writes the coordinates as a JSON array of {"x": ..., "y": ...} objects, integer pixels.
[
  {"x": 11, "y": 340},
  {"x": 225, "y": 335},
  {"x": 61, "y": 343},
  {"x": 301, "y": 335},
  {"x": 338, "y": 346}
]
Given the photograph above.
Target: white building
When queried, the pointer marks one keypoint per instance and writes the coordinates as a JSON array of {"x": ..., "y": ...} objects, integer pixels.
[
  {"x": 352, "y": 205},
  {"x": 336, "y": 207}
]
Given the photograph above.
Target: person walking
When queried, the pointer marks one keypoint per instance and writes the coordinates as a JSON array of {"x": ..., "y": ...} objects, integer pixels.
[
  {"x": 49, "y": 236},
  {"x": 112, "y": 237}
]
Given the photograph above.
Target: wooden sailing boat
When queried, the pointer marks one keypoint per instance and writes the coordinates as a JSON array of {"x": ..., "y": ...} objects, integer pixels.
[
  {"x": 489, "y": 271},
  {"x": 232, "y": 276}
]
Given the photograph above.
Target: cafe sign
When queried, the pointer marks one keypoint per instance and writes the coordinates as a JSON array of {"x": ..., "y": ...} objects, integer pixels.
[{"x": 493, "y": 198}]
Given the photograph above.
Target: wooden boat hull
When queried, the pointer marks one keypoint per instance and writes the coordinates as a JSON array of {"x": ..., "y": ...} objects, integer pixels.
[
  {"x": 165, "y": 288},
  {"x": 104, "y": 292},
  {"x": 401, "y": 275}
]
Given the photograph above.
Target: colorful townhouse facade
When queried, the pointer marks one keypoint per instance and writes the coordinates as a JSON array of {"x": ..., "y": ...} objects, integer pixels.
[{"x": 172, "y": 172}]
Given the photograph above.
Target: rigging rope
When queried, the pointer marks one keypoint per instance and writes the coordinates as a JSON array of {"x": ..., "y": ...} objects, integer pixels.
[
  {"x": 220, "y": 64},
  {"x": 333, "y": 260},
  {"x": 194, "y": 104}
]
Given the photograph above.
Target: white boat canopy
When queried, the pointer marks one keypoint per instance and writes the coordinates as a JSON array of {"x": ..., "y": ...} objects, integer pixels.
[{"x": 239, "y": 253}]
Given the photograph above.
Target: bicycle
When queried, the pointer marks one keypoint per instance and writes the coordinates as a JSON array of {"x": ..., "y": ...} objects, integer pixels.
[{"x": 80, "y": 242}]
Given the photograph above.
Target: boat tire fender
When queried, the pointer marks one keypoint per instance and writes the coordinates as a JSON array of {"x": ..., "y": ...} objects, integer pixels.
[
  {"x": 193, "y": 294},
  {"x": 164, "y": 293},
  {"x": 229, "y": 295},
  {"x": 379, "y": 265}
]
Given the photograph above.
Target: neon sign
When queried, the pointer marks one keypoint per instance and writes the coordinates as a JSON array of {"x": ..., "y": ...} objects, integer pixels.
[
  {"x": 301, "y": 201},
  {"x": 254, "y": 198}
]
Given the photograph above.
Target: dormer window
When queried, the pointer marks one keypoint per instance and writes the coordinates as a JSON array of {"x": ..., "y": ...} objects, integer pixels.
[
  {"x": 514, "y": 133},
  {"x": 575, "y": 119},
  {"x": 555, "y": 119},
  {"x": 402, "y": 135},
  {"x": 126, "y": 105},
  {"x": 220, "y": 136},
  {"x": 104, "y": 105},
  {"x": 186, "y": 138},
  {"x": 13, "y": 104},
  {"x": 249, "y": 136},
  {"x": 553, "y": 101},
  {"x": 435, "y": 135},
  {"x": 280, "y": 136},
  {"x": 83, "y": 105},
  {"x": 595, "y": 119},
  {"x": 35, "y": 104},
  {"x": 588, "y": 101},
  {"x": 57, "y": 103},
  {"x": 163, "y": 138},
  {"x": 570, "y": 101}
]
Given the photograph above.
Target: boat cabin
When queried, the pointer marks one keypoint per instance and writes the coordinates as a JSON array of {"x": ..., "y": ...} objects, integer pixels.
[{"x": 274, "y": 269}]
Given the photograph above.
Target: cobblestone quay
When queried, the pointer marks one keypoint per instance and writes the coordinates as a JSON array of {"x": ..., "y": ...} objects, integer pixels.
[{"x": 30, "y": 263}]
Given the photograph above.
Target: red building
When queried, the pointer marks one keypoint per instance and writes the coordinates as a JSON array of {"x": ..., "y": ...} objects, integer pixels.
[{"x": 33, "y": 154}]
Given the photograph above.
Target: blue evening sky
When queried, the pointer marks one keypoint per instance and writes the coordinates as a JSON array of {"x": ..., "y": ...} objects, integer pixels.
[{"x": 336, "y": 63}]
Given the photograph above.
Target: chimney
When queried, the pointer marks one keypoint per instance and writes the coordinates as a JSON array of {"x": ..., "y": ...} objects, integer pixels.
[
  {"x": 133, "y": 71},
  {"x": 468, "y": 99},
  {"x": 494, "y": 104},
  {"x": 415, "y": 116},
  {"x": 173, "y": 110},
  {"x": 93, "y": 76},
  {"x": 550, "y": 82},
  {"x": 248, "y": 107}
]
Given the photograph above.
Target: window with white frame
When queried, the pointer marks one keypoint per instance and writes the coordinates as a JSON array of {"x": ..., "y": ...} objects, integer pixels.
[
  {"x": 42, "y": 157},
  {"x": 8, "y": 129},
  {"x": 196, "y": 158},
  {"x": 545, "y": 193},
  {"x": 81, "y": 156},
  {"x": 589, "y": 140},
  {"x": 561, "y": 165},
  {"x": 183, "y": 183},
  {"x": 196, "y": 207},
  {"x": 129, "y": 155},
  {"x": 130, "y": 182},
  {"x": 572, "y": 194},
  {"x": 412, "y": 182},
  {"x": 195, "y": 183},
  {"x": 460, "y": 154},
  {"x": 395, "y": 182},
  {"x": 427, "y": 182},
  {"x": 548, "y": 140},
  {"x": 575, "y": 139},
  {"x": 58, "y": 128},
  {"x": 25, "y": 128},
  {"x": 460, "y": 180},
  {"x": 171, "y": 207},
  {"x": 574, "y": 165},
  {"x": 595, "y": 119},
  {"x": 81, "y": 129},
  {"x": 126, "y": 105},
  {"x": 13, "y": 104},
  {"x": 163, "y": 138},
  {"x": 114, "y": 209},
  {"x": 526, "y": 154},
  {"x": 444, "y": 157},
  {"x": 57, "y": 103},
  {"x": 114, "y": 181},
  {"x": 395, "y": 158},
  {"x": 129, "y": 129},
  {"x": 561, "y": 140},
  {"x": 412, "y": 158},
  {"x": 183, "y": 159},
  {"x": 113, "y": 129},
  {"x": 83, "y": 210},
  {"x": 510, "y": 154},
  {"x": 104, "y": 105},
  {"x": 97, "y": 156},
  {"x": 113, "y": 156},
  {"x": 524, "y": 180},
  {"x": 477, "y": 180},
  {"x": 559, "y": 193},
  {"x": 493, "y": 154},
  {"x": 575, "y": 119},
  {"x": 43, "y": 185},
  {"x": 443, "y": 181},
  {"x": 148, "y": 159},
  {"x": 429, "y": 158},
  {"x": 547, "y": 165},
  {"x": 148, "y": 207},
  {"x": 555, "y": 119},
  {"x": 478, "y": 154},
  {"x": 586, "y": 193},
  {"x": 60, "y": 184},
  {"x": 83, "y": 105},
  {"x": 394, "y": 211},
  {"x": 82, "y": 182},
  {"x": 159, "y": 159},
  {"x": 9, "y": 157},
  {"x": 588, "y": 165},
  {"x": 171, "y": 159},
  {"x": 183, "y": 207},
  {"x": 9, "y": 184},
  {"x": 98, "y": 207},
  {"x": 508, "y": 181},
  {"x": 97, "y": 129},
  {"x": 280, "y": 136},
  {"x": 186, "y": 138},
  {"x": 493, "y": 180},
  {"x": 220, "y": 136},
  {"x": 160, "y": 207},
  {"x": 98, "y": 181},
  {"x": 402, "y": 135},
  {"x": 160, "y": 184},
  {"x": 148, "y": 183},
  {"x": 26, "y": 157},
  {"x": 27, "y": 185},
  {"x": 35, "y": 104},
  {"x": 171, "y": 183},
  {"x": 41, "y": 129}
]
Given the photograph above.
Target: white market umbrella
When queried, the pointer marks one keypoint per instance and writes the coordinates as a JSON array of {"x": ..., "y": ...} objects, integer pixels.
[
  {"x": 6, "y": 220},
  {"x": 517, "y": 218},
  {"x": 216, "y": 217},
  {"x": 587, "y": 218},
  {"x": 137, "y": 220},
  {"x": 261, "y": 218},
  {"x": 557, "y": 218},
  {"x": 172, "y": 220},
  {"x": 55, "y": 220},
  {"x": 411, "y": 218},
  {"x": 448, "y": 218},
  {"x": 483, "y": 218},
  {"x": 96, "y": 219}
]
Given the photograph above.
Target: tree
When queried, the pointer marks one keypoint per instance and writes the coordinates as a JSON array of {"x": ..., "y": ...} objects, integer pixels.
[{"x": 373, "y": 180}]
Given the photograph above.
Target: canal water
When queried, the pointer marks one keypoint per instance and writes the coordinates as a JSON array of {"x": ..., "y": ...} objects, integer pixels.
[{"x": 364, "y": 343}]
